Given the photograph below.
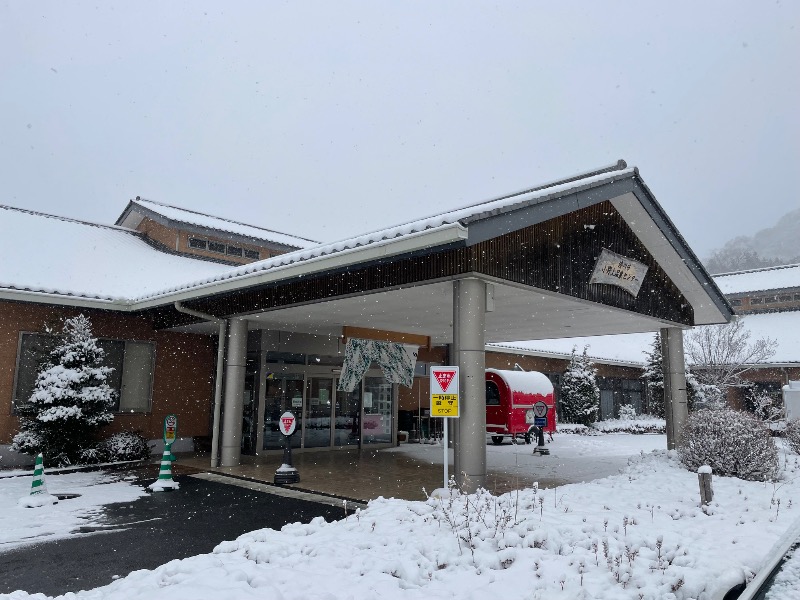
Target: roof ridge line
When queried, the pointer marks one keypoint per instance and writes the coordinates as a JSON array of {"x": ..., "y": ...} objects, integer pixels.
[
  {"x": 197, "y": 212},
  {"x": 757, "y": 270},
  {"x": 38, "y": 213}
]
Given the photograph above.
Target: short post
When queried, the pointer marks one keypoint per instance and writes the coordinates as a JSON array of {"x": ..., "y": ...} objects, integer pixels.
[
  {"x": 286, "y": 473},
  {"x": 704, "y": 478},
  {"x": 38, "y": 486}
]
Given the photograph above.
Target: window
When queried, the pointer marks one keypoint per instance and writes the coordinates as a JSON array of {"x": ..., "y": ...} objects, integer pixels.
[
  {"x": 234, "y": 251},
  {"x": 736, "y": 302},
  {"x": 756, "y": 300},
  {"x": 198, "y": 243},
  {"x": 785, "y": 298},
  {"x": 254, "y": 254},
  {"x": 771, "y": 299},
  {"x": 131, "y": 378},
  {"x": 492, "y": 394},
  {"x": 216, "y": 247}
]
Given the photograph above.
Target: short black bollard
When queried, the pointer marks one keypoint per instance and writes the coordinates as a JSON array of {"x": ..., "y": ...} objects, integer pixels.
[{"x": 286, "y": 473}]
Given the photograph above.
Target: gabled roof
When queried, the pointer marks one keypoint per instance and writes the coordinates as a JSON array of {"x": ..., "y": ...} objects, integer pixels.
[
  {"x": 53, "y": 257},
  {"x": 759, "y": 280},
  {"x": 174, "y": 216},
  {"x": 473, "y": 224}
]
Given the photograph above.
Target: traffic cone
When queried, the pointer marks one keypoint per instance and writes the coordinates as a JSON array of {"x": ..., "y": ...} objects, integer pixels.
[
  {"x": 38, "y": 486},
  {"x": 165, "y": 481}
]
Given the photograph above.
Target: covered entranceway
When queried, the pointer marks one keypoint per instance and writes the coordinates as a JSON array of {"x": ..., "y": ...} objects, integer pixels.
[{"x": 591, "y": 255}]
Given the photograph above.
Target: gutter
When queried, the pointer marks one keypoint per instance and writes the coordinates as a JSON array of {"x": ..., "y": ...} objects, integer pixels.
[{"x": 218, "y": 382}]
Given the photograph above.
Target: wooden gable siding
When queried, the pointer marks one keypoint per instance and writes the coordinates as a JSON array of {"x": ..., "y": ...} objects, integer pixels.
[{"x": 559, "y": 255}]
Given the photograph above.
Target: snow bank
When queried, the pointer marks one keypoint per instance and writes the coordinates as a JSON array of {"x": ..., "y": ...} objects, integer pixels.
[{"x": 641, "y": 534}]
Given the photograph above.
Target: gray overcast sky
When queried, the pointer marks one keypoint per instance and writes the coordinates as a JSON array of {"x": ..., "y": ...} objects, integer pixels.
[{"x": 328, "y": 119}]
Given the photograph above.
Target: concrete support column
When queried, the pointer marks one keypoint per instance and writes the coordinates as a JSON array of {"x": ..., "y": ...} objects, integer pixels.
[
  {"x": 469, "y": 330},
  {"x": 676, "y": 404},
  {"x": 235, "y": 361}
]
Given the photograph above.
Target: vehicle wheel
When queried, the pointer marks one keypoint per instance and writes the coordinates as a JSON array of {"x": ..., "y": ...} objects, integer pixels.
[{"x": 497, "y": 440}]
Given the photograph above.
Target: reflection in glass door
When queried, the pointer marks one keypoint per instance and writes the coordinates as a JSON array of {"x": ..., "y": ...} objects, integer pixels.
[
  {"x": 319, "y": 409},
  {"x": 347, "y": 431},
  {"x": 377, "y": 401},
  {"x": 284, "y": 391}
]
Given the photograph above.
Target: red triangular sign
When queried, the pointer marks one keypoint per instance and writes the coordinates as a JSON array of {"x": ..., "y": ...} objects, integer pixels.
[{"x": 444, "y": 378}]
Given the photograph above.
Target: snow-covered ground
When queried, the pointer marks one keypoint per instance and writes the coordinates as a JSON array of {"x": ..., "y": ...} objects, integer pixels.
[
  {"x": 572, "y": 458},
  {"x": 19, "y": 525},
  {"x": 638, "y": 534}
]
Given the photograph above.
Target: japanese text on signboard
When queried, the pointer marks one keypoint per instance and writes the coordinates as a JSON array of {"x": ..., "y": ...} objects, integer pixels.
[{"x": 615, "y": 269}]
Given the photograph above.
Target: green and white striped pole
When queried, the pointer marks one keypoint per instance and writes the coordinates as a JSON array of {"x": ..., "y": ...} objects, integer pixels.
[
  {"x": 165, "y": 481},
  {"x": 38, "y": 486}
]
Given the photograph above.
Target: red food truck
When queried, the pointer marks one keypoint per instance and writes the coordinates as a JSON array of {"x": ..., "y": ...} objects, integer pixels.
[{"x": 516, "y": 401}]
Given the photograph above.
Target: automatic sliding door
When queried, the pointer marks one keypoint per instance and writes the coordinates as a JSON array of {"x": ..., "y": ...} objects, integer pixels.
[
  {"x": 283, "y": 392},
  {"x": 377, "y": 401},
  {"x": 347, "y": 431},
  {"x": 319, "y": 408}
]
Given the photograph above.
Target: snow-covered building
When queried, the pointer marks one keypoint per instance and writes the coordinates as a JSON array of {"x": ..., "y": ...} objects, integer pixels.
[{"x": 228, "y": 344}]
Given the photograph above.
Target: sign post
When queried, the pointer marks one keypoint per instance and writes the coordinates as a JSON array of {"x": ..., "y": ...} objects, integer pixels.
[
  {"x": 286, "y": 473},
  {"x": 540, "y": 410},
  {"x": 444, "y": 403}
]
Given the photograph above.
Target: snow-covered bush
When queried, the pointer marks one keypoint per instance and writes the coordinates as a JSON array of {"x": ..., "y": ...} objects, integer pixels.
[
  {"x": 642, "y": 424},
  {"x": 580, "y": 395},
  {"x": 71, "y": 400},
  {"x": 627, "y": 412},
  {"x": 126, "y": 445},
  {"x": 731, "y": 442},
  {"x": 792, "y": 435}
]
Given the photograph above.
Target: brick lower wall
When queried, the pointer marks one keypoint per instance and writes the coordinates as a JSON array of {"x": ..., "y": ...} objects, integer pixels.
[{"x": 182, "y": 381}]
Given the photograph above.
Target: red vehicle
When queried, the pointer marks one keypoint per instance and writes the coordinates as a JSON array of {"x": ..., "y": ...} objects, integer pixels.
[{"x": 514, "y": 399}]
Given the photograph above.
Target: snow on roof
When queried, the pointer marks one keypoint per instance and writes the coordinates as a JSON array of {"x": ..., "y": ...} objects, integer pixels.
[
  {"x": 783, "y": 327},
  {"x": 759, "y": 280},
  {"x": 199, "y": 219},
  {"x": 625, "y": 348},
  {"x": 56, "y": 255},
  {"x": 447, "y": 219}
]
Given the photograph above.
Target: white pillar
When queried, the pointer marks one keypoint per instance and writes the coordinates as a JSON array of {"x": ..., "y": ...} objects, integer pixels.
[
  {"x": 235, "y": 361},
  {"x": 676, "y": 407},
  {"x": 469, "y": 329}
]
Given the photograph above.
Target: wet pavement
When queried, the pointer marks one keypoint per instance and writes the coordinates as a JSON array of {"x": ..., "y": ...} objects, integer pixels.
[{"x": 152, "y": 531}]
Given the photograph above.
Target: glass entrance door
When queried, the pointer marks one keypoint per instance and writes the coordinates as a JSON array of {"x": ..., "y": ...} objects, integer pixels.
[
  {"x": 377, "y": 419},
  {"x": 319, "y": 412},
  {"x": 347, "y": 431},
  {"x": 283, "y": 391}
]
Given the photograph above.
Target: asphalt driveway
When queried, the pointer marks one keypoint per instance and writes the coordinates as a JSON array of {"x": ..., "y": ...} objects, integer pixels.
[{"x": 150, "y": 532}]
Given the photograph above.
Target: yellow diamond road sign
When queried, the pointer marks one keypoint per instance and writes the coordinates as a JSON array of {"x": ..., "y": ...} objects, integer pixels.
[{"x": 444, "y": 391}]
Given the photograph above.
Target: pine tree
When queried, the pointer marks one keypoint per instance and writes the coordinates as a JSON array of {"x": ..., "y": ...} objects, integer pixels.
[
  {"x": 580, "y": 395},
  {"x": 71, "y": 399},
  {"x": 654, "y": 378}
]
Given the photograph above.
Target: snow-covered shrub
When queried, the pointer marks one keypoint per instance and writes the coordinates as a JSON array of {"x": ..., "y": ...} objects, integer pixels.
[
  {"x": 575, "y": 428},
  {"x": 580, "y": 395},
  {"x": 764, "y": 405},
  {"x": 792, "y": 435},
  {"x": 731, "y": 442},
  {"x": 642, "y": 424},
  {"x": 627, "y": 412},
  {"x": 126, "y": 445},
  {"x": 71, "y": 400}
]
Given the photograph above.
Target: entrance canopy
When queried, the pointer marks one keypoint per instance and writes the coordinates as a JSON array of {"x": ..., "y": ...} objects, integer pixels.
[{"x": 537, "y": 250}]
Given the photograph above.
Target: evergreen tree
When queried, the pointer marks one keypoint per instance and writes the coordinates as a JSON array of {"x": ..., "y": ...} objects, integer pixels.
[
  {"x": 654, "y": 378},
  {"x": 580, "y": 395},
  {"x": 71, "y": 399}
]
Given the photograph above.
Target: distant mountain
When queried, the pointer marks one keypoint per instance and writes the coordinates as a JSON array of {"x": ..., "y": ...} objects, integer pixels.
[{"x": 778, "y": 245}]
